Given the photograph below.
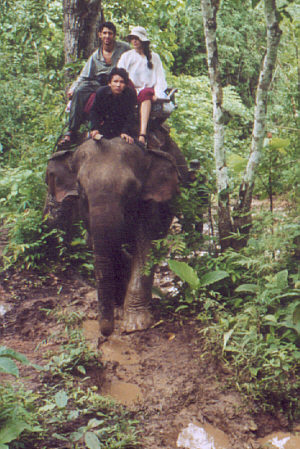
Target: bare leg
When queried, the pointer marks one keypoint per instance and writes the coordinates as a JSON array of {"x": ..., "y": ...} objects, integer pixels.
[{"x": 145, "y": 110}]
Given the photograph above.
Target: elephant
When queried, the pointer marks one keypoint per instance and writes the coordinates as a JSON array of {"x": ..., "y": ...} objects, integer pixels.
[{"x": 122, "y": 193}]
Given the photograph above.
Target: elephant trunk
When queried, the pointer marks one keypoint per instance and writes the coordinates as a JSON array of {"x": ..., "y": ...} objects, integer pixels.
[
  {"x": 106, "y": 237},
  {"x": 105, "y": 278}
]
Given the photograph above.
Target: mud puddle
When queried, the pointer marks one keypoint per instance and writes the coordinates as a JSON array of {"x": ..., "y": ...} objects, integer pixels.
[
  {"x": 124, "y": 392},
  {"x": 116, "y": 351}
]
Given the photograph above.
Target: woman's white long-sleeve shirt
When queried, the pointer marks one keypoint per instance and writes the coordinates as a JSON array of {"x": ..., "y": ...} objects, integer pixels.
[{"x": 141, "y": 75}]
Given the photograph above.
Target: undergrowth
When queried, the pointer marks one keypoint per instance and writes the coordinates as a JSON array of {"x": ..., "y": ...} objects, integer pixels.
[
  {"x": 250, "y": 302},
  {"x": 66, "y": 408}
]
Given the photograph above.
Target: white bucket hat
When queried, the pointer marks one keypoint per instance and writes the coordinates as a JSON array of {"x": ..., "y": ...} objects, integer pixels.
[{"x": 139, "y": 32}]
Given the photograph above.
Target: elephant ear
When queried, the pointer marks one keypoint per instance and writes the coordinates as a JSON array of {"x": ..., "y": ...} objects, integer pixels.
[
  {"x": 60, "y": 176},
  {"x": 162, "y": 181}
]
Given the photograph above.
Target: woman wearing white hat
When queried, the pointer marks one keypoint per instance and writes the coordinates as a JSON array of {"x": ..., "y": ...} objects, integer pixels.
[{"x": 146, "y": 73}]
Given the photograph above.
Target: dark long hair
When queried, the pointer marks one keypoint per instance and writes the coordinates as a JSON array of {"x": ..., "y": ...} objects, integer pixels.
[{"x": 148, "y": 54}]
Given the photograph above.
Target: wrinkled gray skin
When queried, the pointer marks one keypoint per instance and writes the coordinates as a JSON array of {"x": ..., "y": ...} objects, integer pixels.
[{"x": 123, "y": 199}]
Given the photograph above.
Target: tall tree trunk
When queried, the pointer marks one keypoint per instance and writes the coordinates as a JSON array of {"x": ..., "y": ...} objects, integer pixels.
[
  {"x": 298, "y": 76},
  {"x": 242, "y": 220},
  {"x": 81, "y": 18},
  {"x": 209, "y": 11}
]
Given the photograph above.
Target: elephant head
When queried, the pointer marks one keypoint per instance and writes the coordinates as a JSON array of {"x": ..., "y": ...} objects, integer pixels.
[{"x": 123, "y": 194}]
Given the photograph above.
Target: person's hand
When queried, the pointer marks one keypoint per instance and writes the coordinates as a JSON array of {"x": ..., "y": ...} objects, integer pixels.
[
  {"x": 70, "y": 94},
  {"x": 95, "y": 134},
  {"x": 127, "y": 138},
  {"x": 154, "y": 98}
]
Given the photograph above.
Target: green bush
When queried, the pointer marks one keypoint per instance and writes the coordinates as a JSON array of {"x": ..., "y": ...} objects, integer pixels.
[
  {"x": 252, "y": 300},
  {"x": 16, "y": 405}
]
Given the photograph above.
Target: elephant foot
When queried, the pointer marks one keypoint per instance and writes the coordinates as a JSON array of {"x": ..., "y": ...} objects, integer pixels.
[
  {"x": 106, "y": 326},
  {"x": 106, "y": 319},
  {"x": 137, "y": 321}
]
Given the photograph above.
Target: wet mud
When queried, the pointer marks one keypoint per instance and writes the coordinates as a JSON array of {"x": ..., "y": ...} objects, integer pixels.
[{"x": 165, "y": 375}]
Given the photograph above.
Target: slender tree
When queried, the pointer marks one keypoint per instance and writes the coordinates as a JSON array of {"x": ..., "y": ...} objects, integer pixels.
[
  {"x": 209, "y": 11},
  {"x": 241, "y": 220}
]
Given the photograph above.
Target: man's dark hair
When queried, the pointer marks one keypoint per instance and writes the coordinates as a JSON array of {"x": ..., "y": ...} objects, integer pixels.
[
  {"x": 121, "y": 72},
  {"x": 108, "y": 25}
]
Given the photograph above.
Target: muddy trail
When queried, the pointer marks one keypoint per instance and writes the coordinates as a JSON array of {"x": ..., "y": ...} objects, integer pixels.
[{"x": 165, "y": 375}]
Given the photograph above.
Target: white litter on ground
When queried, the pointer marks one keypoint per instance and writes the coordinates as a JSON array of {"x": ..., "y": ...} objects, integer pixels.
[
  {"x": 280, "y": 443},
  {"x": 2, "y": 310},
  {"x": 194, "y": 437}
]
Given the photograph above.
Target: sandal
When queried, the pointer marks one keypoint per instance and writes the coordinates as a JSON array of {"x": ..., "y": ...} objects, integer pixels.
[
  {"x": 144, "y": 144},
  {"x": 67, "y": 140},
  {"x": 141, "y": 145}
]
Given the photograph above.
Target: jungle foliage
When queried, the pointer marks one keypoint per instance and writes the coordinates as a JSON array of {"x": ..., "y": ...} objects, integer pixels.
[
  {"x": 62, "y": 410},
  {"x": 248, "y": 301}
]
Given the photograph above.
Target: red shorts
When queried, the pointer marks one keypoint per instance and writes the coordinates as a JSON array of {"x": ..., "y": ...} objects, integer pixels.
[{"x": 145, "y": 94}]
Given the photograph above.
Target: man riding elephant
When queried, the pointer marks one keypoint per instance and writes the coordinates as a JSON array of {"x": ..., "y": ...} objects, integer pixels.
[
  {"x": 93, "y": 75},
  {"x": 112, "y": 113}
]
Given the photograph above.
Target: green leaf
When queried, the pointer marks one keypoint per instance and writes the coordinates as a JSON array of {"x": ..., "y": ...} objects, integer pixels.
[
  {"x": 212, "y": 277},
  {"x": 73, "y": 415},
  {"x": 226, "y": 338},
  {"x": 182, "y": 307},
  {"x": 61, "y": 399},
  {"x": 75, "y": 436},
  {"x": 237, "y": 163},
  {"x": 281, "y": 279},
  {"x": 185, "y": 272},
  {"x": 94, "y": 423},
  {"x": 11, "y": 430},
  {"x": 277, "y": 143},
  {"x": 8, "y": 366},
  {"x": 81, "y": 369},
  {"x": 270, "y": 319},
  {"x": 3, "y": 446},
  {"x": 59, "y": 437},
  {"x": 254, "y": 370},
  {"x": 255, "y": 3},
  {"x": 13, "y": 355},
  {"x": 247, "y": 288},
  {"x": 92, "y": 441},
  {"x": 296, "y": 315}
]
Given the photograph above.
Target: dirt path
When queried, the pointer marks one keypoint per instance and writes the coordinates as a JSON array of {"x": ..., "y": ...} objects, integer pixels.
[{"x": 164, "y": 375}]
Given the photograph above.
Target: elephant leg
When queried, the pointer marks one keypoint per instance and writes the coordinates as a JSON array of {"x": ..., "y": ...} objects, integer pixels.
[
  {"x": 137, "y": 315},
  {"x": 122, "y": 270}
]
